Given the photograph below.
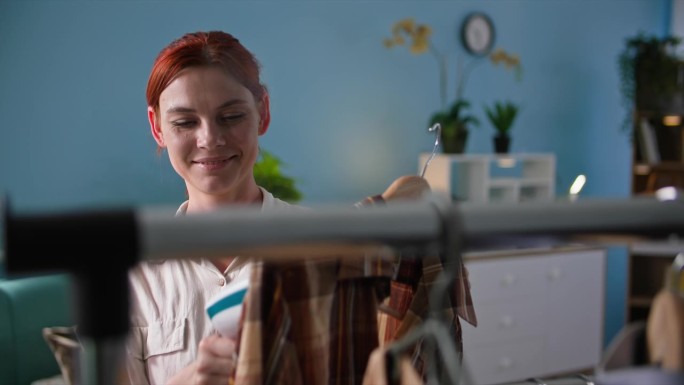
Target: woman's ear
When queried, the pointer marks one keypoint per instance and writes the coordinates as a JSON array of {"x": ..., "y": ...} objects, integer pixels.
[
  {"x": 155, "y": 127},
  {"x": 264, "y": 113}
]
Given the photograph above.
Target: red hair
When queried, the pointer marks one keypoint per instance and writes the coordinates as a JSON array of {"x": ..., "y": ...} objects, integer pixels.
[{"x": 204, "y": 49}]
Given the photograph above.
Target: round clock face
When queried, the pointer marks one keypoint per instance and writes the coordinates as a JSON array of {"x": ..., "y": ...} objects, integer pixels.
[{"x": 478, "y": 34}]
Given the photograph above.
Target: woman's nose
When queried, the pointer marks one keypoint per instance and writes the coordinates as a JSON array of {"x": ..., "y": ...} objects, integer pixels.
[{"x": 210, "y": 136}]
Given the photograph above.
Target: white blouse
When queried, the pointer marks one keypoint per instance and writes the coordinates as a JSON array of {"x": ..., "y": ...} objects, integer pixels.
[{"x": 167, "y": 308}]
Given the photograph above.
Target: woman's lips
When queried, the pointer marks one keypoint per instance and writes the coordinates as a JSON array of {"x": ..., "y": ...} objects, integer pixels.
[{"x": 212, "y": 164}]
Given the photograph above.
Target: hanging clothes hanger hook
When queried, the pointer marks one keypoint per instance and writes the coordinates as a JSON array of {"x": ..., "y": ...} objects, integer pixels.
[
  {"x": 438, "y": 128},
  {"x": 676, "y": 272}
]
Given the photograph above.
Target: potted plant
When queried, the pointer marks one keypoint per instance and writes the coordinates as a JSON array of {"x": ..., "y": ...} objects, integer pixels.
[
  {"x": 651, "y": 77},
  {"x": 268, "y": 175},
  {"x": 454, "y": 122},
  {"x": 453, "y": 117},
  {"x": 502, "y": 115}
]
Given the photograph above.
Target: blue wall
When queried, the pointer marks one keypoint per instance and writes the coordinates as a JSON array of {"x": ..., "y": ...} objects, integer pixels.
[{"x": 348, "y": 115}]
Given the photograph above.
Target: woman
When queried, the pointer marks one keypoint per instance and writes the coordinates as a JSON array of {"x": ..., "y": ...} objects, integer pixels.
[{"x": 207, "y": 108}]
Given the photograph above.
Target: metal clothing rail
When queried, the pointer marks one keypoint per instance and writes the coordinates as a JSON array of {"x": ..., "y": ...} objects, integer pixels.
[
  {"x": 244, "y": 231},
  {"x": 154, "y": 233},
  {"x": 83, "y": 242},
  {"x": 577, "y": 379}
]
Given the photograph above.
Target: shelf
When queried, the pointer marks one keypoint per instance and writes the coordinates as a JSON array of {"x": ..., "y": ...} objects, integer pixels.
[
  {"x": 657, "y": 249},
  {"x": 492, "y": 178},
  {"x": 649, "y": 264},
  {"x": 534, "y": 182},
  {"x": 657, "y": 161},
  {"x": 641, "y": 301}
]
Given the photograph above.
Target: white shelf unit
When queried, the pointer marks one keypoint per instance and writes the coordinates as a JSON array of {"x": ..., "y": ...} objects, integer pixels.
[{"x": 484, "y": 178}]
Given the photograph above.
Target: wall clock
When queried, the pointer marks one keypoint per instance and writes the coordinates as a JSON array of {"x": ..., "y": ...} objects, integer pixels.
[{"x": 477, "y": 34}]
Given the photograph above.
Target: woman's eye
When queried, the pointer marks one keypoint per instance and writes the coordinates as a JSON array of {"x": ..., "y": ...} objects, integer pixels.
[
  {"x": 183, "y": 123},
  {"x": 232, "y": 117}
]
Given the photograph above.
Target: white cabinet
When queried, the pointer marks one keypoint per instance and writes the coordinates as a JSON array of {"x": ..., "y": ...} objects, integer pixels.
[
  {"x": 539, "y": 314},
  {"x": 492, "y": 178}
]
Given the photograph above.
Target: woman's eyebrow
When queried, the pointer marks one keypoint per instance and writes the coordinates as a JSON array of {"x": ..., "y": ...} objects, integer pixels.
[
  {"x": 231, "y": 102},
  {"x": 228, "y": 103},
  {"x": 179, "y": 109}
]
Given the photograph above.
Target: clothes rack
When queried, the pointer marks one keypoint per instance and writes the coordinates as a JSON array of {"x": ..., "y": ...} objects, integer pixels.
[{"x": 125, "y": 236}]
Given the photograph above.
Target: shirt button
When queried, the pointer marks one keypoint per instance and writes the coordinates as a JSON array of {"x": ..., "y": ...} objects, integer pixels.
[{"x": 222, "y": 282}]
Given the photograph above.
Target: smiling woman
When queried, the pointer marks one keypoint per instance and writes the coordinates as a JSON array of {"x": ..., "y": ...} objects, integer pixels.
[
  {"x": 209, "y": 123},
  {"x": 206, "y": 107}
]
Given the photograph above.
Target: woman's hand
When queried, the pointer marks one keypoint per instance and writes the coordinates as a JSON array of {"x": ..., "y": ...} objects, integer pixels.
[
  {"x": 376, "y": 371},
  {"x": 214, "y": 365}
]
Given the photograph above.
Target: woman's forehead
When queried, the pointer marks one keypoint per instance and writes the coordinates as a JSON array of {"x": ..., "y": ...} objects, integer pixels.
[{"x": 209, "y": 86}]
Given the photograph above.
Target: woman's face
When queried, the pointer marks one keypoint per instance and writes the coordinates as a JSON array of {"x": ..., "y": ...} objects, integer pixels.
[{"x": 209, "y": 123}]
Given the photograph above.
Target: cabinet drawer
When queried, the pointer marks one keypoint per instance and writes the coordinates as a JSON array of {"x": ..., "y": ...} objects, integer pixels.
[
  {"x": 574, "y": 310},
  {"x": 505, "y": 362},
  {"x": 501, "y": 280},
  {"x": 505, "y": 322}
]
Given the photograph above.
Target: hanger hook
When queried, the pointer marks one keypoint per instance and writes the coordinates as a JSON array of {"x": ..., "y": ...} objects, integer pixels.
[{"x": 438, "y": 128}]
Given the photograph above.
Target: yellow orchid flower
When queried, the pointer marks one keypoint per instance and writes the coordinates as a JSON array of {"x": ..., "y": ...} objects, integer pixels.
[
  {"x": 419, "y": 46},
  {"x": 497, "y": 56},
  {"x": 423, "y": 32},
  {"x": 417, "y": 38},
  {"x": 406, "y": 25},
  {"x": 509, "y": 60}
]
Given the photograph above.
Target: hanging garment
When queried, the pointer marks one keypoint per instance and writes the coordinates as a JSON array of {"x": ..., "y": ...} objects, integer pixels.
[
  {"x": 308, "y": 323},
  {"x": 409, "y": 304},
  {"x": 316, "y": 322}
]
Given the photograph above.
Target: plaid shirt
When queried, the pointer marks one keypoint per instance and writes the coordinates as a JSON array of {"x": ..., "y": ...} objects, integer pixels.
[{"x": 317, "y": 322}]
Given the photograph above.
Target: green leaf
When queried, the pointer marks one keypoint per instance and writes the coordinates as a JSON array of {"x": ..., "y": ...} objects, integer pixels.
[
  {"x": 502, "y": 115},
  {"x": 454, "y": 120},
  {"x": 268, "y": 175}
]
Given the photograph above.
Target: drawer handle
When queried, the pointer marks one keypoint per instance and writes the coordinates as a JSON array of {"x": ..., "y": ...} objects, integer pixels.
[
  {"x": 506, "y": 322},
  {"x": 505, "y": 363},
  {"x": 509, "y": 279},
  {"x": 555, "y": 274}
]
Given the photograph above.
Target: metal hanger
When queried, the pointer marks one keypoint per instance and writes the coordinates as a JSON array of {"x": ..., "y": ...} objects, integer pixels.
[
  {"x": 676, "y": 274},
  {"x": 438, "y": 128}
]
